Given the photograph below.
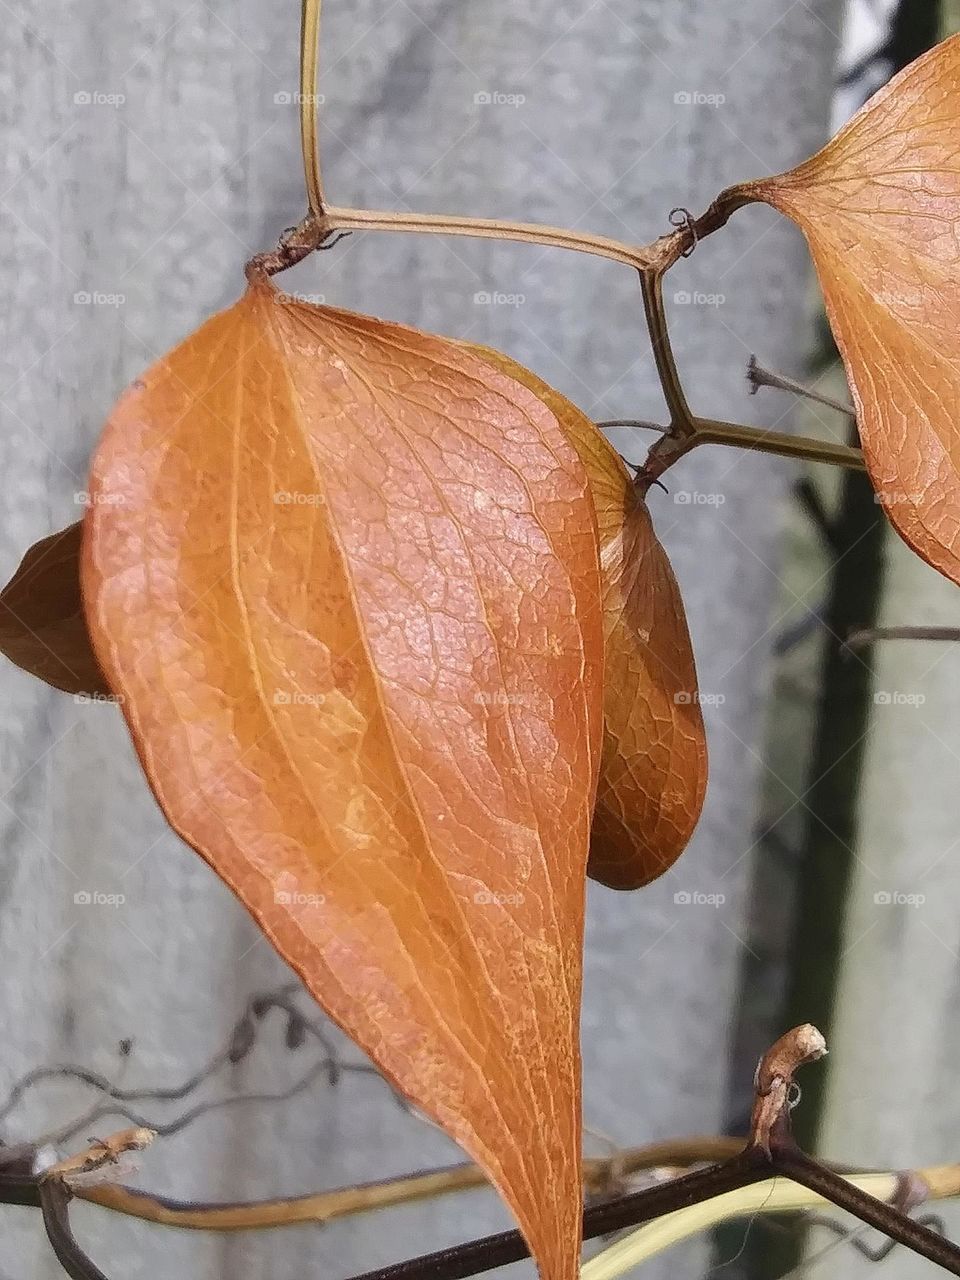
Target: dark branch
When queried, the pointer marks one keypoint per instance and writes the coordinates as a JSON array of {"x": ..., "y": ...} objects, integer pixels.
[
  {"x": 54, "y": 1202},
  {"x": 491, "y": 1252},
  {"x": 889, "y": 1219}
]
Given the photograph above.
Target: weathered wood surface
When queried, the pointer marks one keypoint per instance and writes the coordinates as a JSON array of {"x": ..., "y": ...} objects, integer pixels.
[{"x": 159, "y": 198}]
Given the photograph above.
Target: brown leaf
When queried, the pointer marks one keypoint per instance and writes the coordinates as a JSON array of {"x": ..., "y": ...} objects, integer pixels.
[
  {"x": 880, "y": 208},
  {"x": 653, "y": 771},
  {"x": 42, "y": 627},
  {"x": 346, "y": 577}
]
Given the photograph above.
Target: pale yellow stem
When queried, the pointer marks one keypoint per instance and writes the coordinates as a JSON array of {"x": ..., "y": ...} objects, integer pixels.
[{"x": 776, "y": 1195}]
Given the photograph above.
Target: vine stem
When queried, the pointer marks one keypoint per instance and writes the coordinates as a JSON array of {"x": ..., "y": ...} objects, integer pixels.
[
  {"x": 309, "y": 98},
  {"x": 711, "y": 431},
  {"x": 20, "y": 1184},
  {"x": 677, "y": 1204},
  {"x": 323, "y": 221},
  {"x": 759, "y": 439},
  {"x": 686, "y": 431},
  {"x": 322, "y": 224},
  {"x": 683, "y": 425},
  {"x": 315, "y": 232},
  {"x": 670, "y": 448},
  {"x": 326, "y": 1206},
  {"x": 644, "y": 258}
]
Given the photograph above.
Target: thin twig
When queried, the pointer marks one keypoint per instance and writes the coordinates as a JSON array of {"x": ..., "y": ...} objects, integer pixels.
[
  {"x": 853, "y": 1236},
  {"x": 774, "y": 1077},
  {"x": 238, "y": 1046},
  {"x": 166, "y": 1129},
  {"x": 759, "y": 377},
  {"x": 861, "y": 639}
]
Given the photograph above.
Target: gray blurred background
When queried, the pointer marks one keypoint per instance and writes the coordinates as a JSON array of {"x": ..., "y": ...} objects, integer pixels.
[{"x": 150, "y": 148}]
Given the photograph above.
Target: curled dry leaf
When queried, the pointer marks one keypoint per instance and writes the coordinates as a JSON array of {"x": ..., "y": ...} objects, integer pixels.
[
  {"x": 653, "y": 769},
  {"x": 42, "y": 627},
  {"x": 880, "y": 208},
  {"x": 346, "y": 577}
]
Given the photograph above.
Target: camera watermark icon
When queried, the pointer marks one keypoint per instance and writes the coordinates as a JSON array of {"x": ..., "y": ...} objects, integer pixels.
[
  {"x": 286, "y": 99},
  {"x": 288, "y": 498},
  {"x": 697, "y": 698},
  {"x": 894, "y": 498},
  {"x": 501, "y": 699},
  {"x": 84, "y": 298},
  {"x": 896, "y": 698},
  {"x": 83, "y": 498},
  {"x": 693, "y": 898},
  {"x": 695, "y": 98},
  {"x": 493, "y": 98},
  {"x": 894, "y": 898},
  {"x": 686, "y": 298},
  {"x": 485, "y": 299},
  {"x": 487, "y": 898},
  {"x": 96, "y": 98},
  {"x": 297, "y": 698},
  {"x": 95, "y": 898},
  {"x": 294, "y": 299},
  {"x": 694, "y": 498}
]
